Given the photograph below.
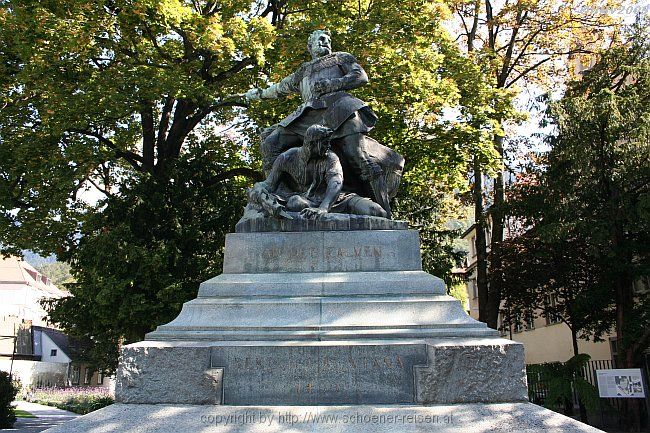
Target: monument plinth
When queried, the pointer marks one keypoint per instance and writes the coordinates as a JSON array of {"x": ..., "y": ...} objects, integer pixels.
[{"x": 322, "y": 318}]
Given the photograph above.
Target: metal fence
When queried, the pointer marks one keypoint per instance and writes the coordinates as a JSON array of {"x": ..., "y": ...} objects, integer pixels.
[{"x": 610, "y": 411}]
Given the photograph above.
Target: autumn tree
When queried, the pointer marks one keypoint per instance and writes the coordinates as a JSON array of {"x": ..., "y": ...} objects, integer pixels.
[
  {"x": 136, "y": 101},
  {"x": 516, "y": 42}
]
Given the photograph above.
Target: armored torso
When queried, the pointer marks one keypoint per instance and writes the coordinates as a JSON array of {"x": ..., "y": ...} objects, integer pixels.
[{"x": 322, "y": 68}]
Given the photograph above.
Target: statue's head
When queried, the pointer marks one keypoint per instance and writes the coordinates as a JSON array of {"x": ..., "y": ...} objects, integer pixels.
[
  {"x": 319, "y": 43},
  {"x": 317, "y": 140}
]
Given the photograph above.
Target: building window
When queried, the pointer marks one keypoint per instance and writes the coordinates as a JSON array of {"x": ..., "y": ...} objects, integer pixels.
[
  {"x": 503, "y": 330},
  {"x": 517, "y": 325},
  {"x": 100, "y": 378},
  {"x": 472, "y": 247},
  {"x": 641, "y": 286},
  {"x": 551, "y": 317},
  {"x": 74, "y": 374},
  {"x": 523, "y": 322},
  {"x": 530, "y": 321},
  {"x": 53, "y": 352},
  {"x": 88, "y": 376},
  {"x": 473, "y": 288}
]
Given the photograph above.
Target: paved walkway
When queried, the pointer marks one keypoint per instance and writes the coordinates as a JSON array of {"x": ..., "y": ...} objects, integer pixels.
[{"x": 46, "y": 417}]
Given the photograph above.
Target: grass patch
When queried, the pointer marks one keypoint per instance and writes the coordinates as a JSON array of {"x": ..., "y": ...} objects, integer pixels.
[{"x": 23, "y": 414}]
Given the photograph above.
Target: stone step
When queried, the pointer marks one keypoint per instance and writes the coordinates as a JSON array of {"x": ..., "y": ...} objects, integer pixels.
[
  {"x": 314, "y": 317},
  {"x": 322, "y": 284},
  {"x": 456, "y": 418}
]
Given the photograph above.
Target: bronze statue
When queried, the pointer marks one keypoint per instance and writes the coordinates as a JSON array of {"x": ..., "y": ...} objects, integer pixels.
[
  {"x": 370, "y": 169},
  {"x": 309, "y": 180}
]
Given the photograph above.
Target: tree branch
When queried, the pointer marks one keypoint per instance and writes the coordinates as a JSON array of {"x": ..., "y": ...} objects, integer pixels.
[
  {"x": 102, "y": 190},
  {"x": 233, "y": 70},
  {"x": 148, "y": 135},
  {"x": 131, "y": 157},
  {"x": 255, "y": 175},
  {"x": 163, "y": 124}
]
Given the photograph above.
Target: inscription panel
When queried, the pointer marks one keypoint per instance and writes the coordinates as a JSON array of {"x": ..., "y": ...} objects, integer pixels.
[
  {"x": 361, "y": 251},
  {"x": 313, "y": 375}
]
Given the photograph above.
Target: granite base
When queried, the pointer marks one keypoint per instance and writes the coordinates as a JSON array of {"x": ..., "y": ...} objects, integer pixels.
[{"x": 461, "y": 418}]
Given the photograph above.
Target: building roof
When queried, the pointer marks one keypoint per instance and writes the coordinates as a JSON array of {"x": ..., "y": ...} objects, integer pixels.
[
  {"x": 59, "y": 338},
  {"x": 14, "y": 270},
  {"x": 468, "y": 230}
]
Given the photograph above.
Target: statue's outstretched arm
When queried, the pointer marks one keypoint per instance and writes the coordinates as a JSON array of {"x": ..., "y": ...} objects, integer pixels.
[
  {"x": 285, "y": 87},
  {"x": 334, "y": 186}
]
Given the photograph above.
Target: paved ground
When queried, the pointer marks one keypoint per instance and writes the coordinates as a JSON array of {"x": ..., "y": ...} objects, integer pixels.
[
  {"x": 460, "y": 418},
  {"x": 46, "y": 417}
]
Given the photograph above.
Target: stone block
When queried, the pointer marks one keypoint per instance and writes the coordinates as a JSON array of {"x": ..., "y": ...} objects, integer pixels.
[
  {"x": 452, "y": 370},
  {"x": 351, "y": 251},
  {"x": 328, "y": 222},
  {"x": 150, "y": 373},
  {"x": 472, "y": 371},
  {"x": 317, "y": 374}
]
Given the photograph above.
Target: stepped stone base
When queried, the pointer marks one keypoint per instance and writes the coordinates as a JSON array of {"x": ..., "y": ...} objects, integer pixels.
[
  {"x": 322, "y": 318},
  {"x": 321, "y": 286},
  {"x": 460, "y": 418}
]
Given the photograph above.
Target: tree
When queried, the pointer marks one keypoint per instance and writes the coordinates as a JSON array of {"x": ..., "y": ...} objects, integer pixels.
[
  {"x": 133, "y": 99},
  {"x": 570, "y": 294},
  {"x": 7, "y": 394},
  {"x": 57, "y": 272},
  {"x": 587, "y": 210},
  {"x": 92, "y": 91},
  {"x": 515, "y": 42},
  {"x": 600, "y": 159}
]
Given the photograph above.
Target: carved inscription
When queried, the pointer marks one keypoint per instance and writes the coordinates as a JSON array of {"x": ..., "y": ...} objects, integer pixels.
[
  {"x": 312, "y": 374},
  {"x": 358, "y": 252},
  {"x": 290, "y": 253}
]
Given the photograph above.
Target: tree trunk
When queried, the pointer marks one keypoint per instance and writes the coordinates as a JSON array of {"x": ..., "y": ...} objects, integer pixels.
[
  {"x": 480, "y": 244},
  {"x": 581, "y": 406},
  {"x": 574, "y": 340},
  {"x": 498, "y": 221}
]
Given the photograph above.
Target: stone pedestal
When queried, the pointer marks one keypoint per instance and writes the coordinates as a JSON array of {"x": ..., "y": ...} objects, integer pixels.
[
  {"x": 322, "y": 331},
  {"x": 322, "y": 318}
]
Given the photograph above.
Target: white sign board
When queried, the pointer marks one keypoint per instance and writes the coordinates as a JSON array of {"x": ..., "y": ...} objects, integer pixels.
[{"x": 620, "y": 383}]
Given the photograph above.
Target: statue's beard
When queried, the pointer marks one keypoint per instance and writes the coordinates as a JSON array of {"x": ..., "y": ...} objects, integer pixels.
[{"x": 319, "y": 51}]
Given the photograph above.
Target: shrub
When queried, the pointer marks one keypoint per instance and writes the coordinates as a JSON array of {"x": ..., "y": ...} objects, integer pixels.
[{"x": 7, "y": 394}]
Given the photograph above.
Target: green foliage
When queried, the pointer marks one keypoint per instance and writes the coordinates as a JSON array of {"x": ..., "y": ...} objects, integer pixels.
[
  {"x": 57, "y": 272},
  {"x": 7, "y": 394},
  {"x": 585, "y": 202},
  {"x": 561, "y": 378},
  {"x": 146, "y": 253},
  {"x": 459, "y": 291}
]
